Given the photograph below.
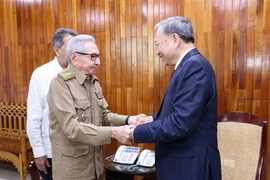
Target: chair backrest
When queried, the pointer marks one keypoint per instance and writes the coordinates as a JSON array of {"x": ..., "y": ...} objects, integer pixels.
[{"x": 242, "y": 144}]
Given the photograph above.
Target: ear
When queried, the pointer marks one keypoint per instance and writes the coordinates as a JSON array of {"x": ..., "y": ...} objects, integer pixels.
[
  {"x": 176, "y": 38},
  {"x": 56, "y": 50},
  {"x": 73, "y": 58}
]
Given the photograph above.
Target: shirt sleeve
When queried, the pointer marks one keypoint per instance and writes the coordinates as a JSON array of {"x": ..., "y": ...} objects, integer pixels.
[
  {"x": 113, "y": 119},
  {"x": 34, "y": 116}
]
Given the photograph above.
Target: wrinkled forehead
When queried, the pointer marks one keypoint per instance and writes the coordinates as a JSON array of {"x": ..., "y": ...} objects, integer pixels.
[{"x": 158, "y": 35}]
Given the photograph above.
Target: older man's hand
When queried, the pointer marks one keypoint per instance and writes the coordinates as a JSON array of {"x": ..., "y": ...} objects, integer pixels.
[
  {"x": 123, "y": 134},
  {"x": 134, "y": 120},
  {"x": 140, "y": 119}
]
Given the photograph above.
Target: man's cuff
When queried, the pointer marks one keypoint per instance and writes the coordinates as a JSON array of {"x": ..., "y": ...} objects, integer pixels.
[{"x": 39, "y": 151}]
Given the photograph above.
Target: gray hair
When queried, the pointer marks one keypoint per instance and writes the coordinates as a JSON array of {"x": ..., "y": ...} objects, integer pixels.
[
  {"x": 59, "y": 35},
  {"x": 179, "y": 25},
  {"x": 76, "y": 44}
]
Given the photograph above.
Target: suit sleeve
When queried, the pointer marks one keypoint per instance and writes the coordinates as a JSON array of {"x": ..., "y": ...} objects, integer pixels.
[{"x": 188, "y": 103}]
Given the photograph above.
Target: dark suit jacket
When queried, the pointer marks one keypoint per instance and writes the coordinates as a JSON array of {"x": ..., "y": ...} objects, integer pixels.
[{"x": 185, "y": 128}]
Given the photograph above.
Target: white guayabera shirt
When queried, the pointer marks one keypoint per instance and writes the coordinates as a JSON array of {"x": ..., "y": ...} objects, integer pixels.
[{"x": 37, "y": 108}]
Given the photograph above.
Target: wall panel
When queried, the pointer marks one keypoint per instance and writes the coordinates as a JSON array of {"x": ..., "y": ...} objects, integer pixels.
[{"x": 233, "y": 35}]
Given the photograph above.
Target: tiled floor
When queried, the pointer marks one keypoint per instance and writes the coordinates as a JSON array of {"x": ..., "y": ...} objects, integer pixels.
[{"x": 9, "y": 172}]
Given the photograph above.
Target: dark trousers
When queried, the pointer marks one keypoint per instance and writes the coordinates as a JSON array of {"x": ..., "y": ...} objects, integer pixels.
[{"x": 47, "y": 176}]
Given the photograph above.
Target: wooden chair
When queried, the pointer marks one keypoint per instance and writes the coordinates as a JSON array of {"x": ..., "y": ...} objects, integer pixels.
[
  {"x": 14, "y": 144},
  {"x": 242, "y": 144}
]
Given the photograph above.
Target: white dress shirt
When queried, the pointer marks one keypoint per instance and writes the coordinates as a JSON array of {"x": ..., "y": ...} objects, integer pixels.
[
  {"x": 181, "y": 57},
  {"x": 38, "y": 110}
]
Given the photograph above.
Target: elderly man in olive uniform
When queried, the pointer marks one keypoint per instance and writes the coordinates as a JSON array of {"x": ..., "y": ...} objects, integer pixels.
[{"x": 79, "y": 120}]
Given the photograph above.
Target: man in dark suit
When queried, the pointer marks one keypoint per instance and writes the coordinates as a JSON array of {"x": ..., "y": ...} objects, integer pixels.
[{"x": 185, "y": 128}]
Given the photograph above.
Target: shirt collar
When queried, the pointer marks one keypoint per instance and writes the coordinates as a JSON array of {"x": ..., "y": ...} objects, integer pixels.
[
  {"x": 57, "y": 65},
  {"x": 181, "y": 58}
]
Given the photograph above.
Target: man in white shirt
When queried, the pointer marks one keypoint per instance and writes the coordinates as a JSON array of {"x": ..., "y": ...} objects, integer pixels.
[{"x": 37, "y": 106}]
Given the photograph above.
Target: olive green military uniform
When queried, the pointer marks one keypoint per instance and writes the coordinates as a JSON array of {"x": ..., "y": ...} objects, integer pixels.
[{"x": 79, "y": 125}]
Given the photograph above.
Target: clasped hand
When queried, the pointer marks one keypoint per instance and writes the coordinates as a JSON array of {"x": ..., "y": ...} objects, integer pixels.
[
  {"x": 124, "y": 134},
  {"x": 139, "y": 119}
]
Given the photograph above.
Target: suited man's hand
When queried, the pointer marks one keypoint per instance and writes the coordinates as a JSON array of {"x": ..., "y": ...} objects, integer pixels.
[{"x": 123, "y": 134}]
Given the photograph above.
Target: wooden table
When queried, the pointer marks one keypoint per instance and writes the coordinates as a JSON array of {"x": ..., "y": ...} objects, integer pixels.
[{"x": 116, "y": 171}]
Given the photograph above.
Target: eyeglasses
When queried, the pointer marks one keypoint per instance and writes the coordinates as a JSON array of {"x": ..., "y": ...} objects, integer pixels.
[{"x": 93, "y": 57}]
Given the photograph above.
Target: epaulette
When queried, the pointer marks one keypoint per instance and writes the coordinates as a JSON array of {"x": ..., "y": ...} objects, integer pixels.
[{"x": 66, "y": 75}]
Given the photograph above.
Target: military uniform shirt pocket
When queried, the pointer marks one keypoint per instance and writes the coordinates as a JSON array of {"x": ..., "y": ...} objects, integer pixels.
[
  {"x": 82, "y": 110},
  {"x": 74, "y": 161}
]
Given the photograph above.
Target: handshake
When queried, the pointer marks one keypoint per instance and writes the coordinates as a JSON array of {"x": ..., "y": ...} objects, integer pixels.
[{"x": 124, "y": 134}]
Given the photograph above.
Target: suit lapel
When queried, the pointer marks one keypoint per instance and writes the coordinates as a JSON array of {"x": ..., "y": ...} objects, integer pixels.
[{"x": 175, "y": 72}]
